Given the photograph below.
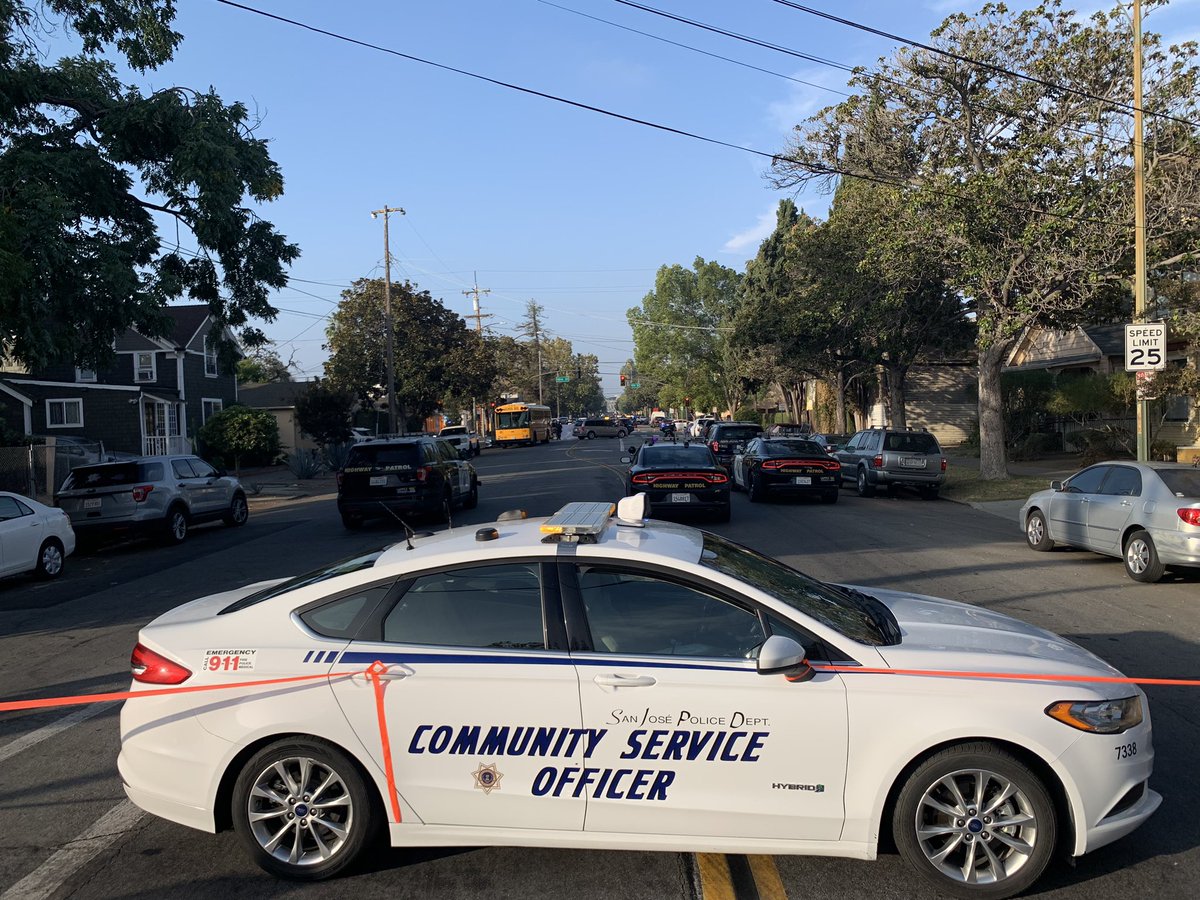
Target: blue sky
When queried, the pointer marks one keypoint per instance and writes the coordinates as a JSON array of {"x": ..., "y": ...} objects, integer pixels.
[{"x": 547, "y": 202}]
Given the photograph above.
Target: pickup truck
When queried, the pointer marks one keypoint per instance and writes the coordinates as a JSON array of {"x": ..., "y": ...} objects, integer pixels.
[{"x": 461, "y": 438}]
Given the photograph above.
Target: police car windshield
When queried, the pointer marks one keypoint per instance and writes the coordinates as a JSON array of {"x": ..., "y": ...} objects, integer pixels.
[
  {"x": 341, "y": 567},
  {"x": 858, "y": 616}
]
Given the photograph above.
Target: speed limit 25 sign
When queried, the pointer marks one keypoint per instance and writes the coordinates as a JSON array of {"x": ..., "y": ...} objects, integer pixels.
[{"x": 1145, "y": 347}]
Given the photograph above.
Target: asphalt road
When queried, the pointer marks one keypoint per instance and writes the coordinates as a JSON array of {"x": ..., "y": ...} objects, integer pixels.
[{"x": 66, "y": 832}]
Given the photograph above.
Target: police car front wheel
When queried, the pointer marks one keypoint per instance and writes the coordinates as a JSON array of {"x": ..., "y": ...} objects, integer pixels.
[
  {"x": 975, "y": 821},
  {"x": 302, "y": 809}
]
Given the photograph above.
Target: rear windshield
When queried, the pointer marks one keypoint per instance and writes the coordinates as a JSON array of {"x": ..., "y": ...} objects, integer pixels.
[
  {"x": 341, "y": 567},
  {"x": 918, "y": 442},
  {"x": 1180, "y": 482},
  {"x": 737, "y": 432},
  {"x": 454, "y": 429},
  {"x": 113, "y": 475},
  {"x": 365, "y": 457},
  {"x": 676, "y": 456},
  {"x": 791, "y": 448}
]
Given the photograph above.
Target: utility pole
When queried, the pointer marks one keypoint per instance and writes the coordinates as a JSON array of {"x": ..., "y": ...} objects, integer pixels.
[
  {"x": 1139, "y": 221},
  {"x": 387, "y": 314},
  {"x": 478, "y": 316}
]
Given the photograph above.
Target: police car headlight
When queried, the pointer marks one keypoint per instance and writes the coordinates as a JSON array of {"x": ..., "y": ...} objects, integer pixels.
[{"x": 1098, "y": 716}]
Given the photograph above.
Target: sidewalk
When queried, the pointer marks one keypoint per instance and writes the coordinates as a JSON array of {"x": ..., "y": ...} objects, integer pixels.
[
  {"x": 1057, "y": 467},
  {"x": 277, "y": 483}
]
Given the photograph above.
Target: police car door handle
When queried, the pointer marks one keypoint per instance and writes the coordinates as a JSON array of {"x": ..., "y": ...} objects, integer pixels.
[
  {"x": 615, "y": 680},
  {"x": 394, "y": 672}
]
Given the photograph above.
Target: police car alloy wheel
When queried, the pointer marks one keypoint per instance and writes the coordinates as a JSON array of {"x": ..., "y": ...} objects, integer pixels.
[
  {"x": 976, "y": 822},
  {"x": 301, "y": 808}
]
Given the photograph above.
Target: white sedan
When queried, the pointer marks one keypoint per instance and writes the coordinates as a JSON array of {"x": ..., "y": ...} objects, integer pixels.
[
  {"x": 33, "y": 537},
  {"x": 597, "y": 682}
]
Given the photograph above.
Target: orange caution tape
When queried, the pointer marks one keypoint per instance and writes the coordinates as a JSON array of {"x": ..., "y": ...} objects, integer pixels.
[
  {"x": 373, "y": 672},
  {"x": 1008, "y": 676}
]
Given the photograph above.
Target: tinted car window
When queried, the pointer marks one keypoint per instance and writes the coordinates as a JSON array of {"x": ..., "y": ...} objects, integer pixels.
[
  {"x": 202, "y": 469},
  {"x": 182, "y": 468},
  {"x": 1181, "y": 482},
  {"x": 342, "y": 618},
  {"x": 675, "y": 456},
  {"x": 1123, "y": 481},
  {"x": 789, "y": 448},
  {"x": 486, "y": 606},
  {"x": 911, "y": 442},
  {"x": 736, "y": 432},
  {"x": 113, "y": 475},
  {"x": 379, "y": 456},
  {"x": 1087, "y": 481},
  {"x": 639, "y": 614},
  {"x": 12, "y": 509},
  {"x": 869, "y": 440}
]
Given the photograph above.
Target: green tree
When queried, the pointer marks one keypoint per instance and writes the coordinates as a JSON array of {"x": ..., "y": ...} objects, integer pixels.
[
  {"x": 263, "y": 366},
  {"x": 239, "y": 433},
  {"x": 682, "y": 333},
  {"x": 86, "y": 162},
  {"x": 1027, "y": 192},
  {"x": 324, "y": 413},
  {"x": 437, "y": 358}
]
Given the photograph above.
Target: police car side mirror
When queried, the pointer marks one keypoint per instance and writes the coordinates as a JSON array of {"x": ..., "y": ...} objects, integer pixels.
[{"x": 781, "y": 655}]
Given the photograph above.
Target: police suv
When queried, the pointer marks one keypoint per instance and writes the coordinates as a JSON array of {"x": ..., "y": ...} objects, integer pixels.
[{"x": 595, "y": 681}]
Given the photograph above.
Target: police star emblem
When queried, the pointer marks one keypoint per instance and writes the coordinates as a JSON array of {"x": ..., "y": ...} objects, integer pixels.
[{"x": 487, "y": 778}]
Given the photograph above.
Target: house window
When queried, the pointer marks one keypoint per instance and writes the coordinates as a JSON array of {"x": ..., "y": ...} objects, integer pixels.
[
  {"x": 64, "y": 413},
  {"x": 210, "y": 358},
  {"x": 144, "y": 368},
  {"x": 210, "y": 406},
  {"x": 85, "y": 374}
]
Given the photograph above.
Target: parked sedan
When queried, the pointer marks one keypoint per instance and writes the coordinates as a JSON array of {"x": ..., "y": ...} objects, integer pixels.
[
  {"x": 33, "y": 537},
  {"x": 1146, "y": 513},
  {"x": 786, "y": 466},
  {"x": 678, "y": 478}
]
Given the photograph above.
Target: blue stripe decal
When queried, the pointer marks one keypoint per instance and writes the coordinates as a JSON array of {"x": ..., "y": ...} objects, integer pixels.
[
  {"x": 317, "y": 658},
  {"x": 308, "y": 656},
  {"x": 360, "y": 657}
]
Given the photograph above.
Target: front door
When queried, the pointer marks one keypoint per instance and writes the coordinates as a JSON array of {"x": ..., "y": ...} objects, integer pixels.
[
  {"x": 21, "y": 533},
  {"x": 1069, "y": 507},
  {"x": 692, "y": 740},
  {"x": 1110, "y": 509},
  {"x": 478, "y": 709}
]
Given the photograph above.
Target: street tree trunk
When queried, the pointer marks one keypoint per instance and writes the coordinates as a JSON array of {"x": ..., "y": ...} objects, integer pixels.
[
  {"x": 840, "y": 395},
  {"x": 896, "y": 377},
  {"x": 992, "y": 454}
]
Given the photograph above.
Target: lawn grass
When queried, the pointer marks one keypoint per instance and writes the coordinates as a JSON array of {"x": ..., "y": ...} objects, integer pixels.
[{"x": 963, "y": 484}]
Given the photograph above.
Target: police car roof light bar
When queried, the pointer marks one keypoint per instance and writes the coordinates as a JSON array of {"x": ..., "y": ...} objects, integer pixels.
[{"x": 578, "y": 522}]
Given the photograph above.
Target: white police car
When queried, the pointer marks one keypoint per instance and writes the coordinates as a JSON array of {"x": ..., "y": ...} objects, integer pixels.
[{"x": 586, "y": 682}]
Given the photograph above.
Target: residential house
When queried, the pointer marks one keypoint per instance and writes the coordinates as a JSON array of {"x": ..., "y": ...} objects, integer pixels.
[
  {"x": 1101, "y": 349},
  {"x": 152, "y": 399}
]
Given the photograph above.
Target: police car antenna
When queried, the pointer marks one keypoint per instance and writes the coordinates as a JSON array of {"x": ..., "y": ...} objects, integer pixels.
[{"x": 409, "y": 534}]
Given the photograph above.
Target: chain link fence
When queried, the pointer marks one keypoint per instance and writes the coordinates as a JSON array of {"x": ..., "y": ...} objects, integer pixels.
[{"x": 37, "y": 471}]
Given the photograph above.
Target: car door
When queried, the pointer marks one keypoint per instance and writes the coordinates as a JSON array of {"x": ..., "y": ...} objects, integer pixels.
[
  {"x": 1068, "y": 507},
  {"x": 691, "y": 739},
  {"x": 217, "y": 493},
  {"x": 848, "y": 456},
  {"x": 1109, "y": 510},
  {"x": 190, "y": 488},
  {"x": 744, "y": 462},
  {"x": 21, "y": 534},
  {"x": 458, "y": 474},
  {"x": 480, "y": 698}
]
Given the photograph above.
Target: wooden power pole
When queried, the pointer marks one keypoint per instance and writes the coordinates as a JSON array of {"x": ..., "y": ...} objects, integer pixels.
[
  {"x": 1139, "y": 222},
  {"x": 387, "y": 314}
]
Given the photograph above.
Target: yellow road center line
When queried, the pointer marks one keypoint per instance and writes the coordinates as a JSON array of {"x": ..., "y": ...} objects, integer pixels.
[
  {"x": 715, "y": 880},
  {"x": 766, "y": 878}
]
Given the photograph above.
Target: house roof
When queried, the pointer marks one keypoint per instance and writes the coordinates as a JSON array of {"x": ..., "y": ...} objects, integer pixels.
[
  {"x": 187, "y": 321},
  {"x": 276, "y": 395},
  {"x": 1109, "y": 338}
]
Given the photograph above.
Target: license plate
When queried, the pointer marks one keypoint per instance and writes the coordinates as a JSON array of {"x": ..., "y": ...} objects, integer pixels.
[
  {"x": 910, "y": 463},
  {"x": 802, "y": 479},
  {"x": 378, "y": 480},
  {"x": 92, "y": 503},
  {"x": 681, "y": 498},
  {"x": 406, "y": 490}
]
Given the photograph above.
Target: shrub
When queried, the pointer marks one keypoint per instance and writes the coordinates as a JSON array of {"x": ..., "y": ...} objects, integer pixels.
[
  {"x": 1037, "y": 445},
  {"x": 304, "y": 464},
  {"x": 335, "y": 455},
  {"x": 1163, "y": 451},
  {"x": 239, "y": 435}
]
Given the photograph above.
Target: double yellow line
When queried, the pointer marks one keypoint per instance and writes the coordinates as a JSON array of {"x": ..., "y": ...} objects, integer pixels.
[{"x": 732, "y": 876}]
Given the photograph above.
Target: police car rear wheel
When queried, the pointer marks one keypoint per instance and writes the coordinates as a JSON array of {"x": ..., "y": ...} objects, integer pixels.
[
  {"x": 302, "y": 810},
  {"x": 976, "y": 822}
]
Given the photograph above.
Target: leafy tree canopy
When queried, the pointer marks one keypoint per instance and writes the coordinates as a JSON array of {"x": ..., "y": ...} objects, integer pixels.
[
  {"x": 324, "y": 413},
  {"x": 87, "y": 163},
  {"x": 263, "y": 366}
]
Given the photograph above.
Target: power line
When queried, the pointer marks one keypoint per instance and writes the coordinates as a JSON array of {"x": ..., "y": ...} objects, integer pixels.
[{"x": 1012, "y": 73}]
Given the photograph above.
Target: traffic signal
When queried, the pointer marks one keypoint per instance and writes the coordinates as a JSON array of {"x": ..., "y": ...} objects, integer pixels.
[{"x": 622, "y": 379}]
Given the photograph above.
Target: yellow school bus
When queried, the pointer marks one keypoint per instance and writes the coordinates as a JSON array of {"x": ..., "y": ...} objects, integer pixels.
[{"x": 522, "y": 423}]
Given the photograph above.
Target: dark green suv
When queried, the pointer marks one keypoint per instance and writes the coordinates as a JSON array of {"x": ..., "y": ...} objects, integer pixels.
[
  {"x": 404, "y": 476},
  {"x": 889, "y": 458}
]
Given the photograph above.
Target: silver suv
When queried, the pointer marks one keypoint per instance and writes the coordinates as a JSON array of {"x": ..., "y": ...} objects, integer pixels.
[
  {"x": 164, "y": 495},
  {"x": 887, "y": 457}
]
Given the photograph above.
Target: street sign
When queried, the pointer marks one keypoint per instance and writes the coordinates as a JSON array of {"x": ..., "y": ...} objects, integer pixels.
[
  {"x": 509, "y": 396},
  {"x": 636, "y": 385},
  {"x": 563, "y": 379},
  {"x": 1145, "y": 347},
  {"x": 1146, "y": 389}
]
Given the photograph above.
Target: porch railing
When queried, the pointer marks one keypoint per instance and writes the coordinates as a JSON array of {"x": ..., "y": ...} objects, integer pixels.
[{"x": 161, "y": 445}]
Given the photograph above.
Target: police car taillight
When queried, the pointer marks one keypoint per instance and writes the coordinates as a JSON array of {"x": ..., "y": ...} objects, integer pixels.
[
  {"x": 149, "y": 667},
  {"x": 423, "y": 472}
]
